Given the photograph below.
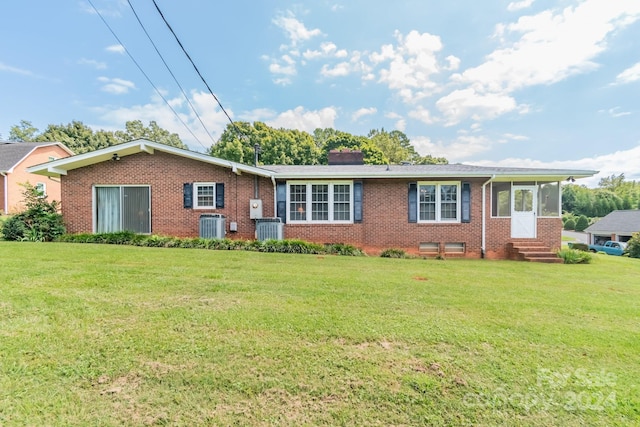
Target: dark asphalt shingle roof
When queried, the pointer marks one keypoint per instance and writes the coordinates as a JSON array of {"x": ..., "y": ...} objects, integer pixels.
[
  {"x": 12, "y": 152},
  {"x": 413, "y": 170},
  {"x": 618, "y": 222}
]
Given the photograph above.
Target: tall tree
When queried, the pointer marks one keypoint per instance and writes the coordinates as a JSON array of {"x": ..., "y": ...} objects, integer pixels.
[
  {"x": 135, "y": 129},
  {"x": 277, "y": 146},
  {"x": 81, "y": 138},
  {"x": 24, "y": 132},
  {"x": 395, "y": 145}
]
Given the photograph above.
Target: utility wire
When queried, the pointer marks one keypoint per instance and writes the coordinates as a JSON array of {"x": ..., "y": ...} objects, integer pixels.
[
  {"x": 170, "y": 72},
  {"x": 240, "y": 133},
  {"x": 145, "y": 74}
]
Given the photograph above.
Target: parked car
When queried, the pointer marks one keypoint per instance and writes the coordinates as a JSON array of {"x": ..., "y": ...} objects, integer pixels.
[{"x": 609, "y": 247}]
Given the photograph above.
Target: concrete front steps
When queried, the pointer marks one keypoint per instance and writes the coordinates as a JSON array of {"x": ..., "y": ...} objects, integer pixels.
[{"x": 531, "y": 250}]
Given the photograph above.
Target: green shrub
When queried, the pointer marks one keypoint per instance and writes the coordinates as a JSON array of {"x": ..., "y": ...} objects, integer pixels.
[
  {"x": 633, "y": 246},
  {"x": 573, "y": 256},
  {"x": 582, "y": 223},
  {"x": 41, "y": 221},
  {"x": 14, "y": 228},
  {"x": 342, "y": 249},
  {"x": 570, "y": 224},
  {"x": 280, "y": 246},
  {"x": 393, "y": 253}
]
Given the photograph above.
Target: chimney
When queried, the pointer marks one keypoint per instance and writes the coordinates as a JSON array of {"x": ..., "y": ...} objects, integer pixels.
[{"x": 346, "y": 157}]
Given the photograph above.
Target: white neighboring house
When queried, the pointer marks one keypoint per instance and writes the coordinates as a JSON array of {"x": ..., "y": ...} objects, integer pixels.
[{"x": 618, "y": 226}]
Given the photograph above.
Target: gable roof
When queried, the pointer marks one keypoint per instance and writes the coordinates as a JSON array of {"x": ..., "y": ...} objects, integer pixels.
[
  {"x": 616, "y": 222},
  {"x": 12, "y": 153},
  {"x": 62, "y": 166}
]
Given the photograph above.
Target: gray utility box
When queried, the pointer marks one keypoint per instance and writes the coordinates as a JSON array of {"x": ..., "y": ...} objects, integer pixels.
[
  {"x": 212, "y": 226},
  {"x": 269, "y": 229}
]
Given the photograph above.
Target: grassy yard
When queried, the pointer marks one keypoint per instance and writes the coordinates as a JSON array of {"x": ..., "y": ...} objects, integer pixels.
[{"x": 112, "y": 335}]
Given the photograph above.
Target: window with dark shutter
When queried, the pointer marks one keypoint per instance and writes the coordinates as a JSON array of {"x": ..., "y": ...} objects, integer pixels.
[
  {"x": 219, "y": 195},
  {"x": 413, "y": 202},
  {"x": 281, "y": 200},
  {"x": 466, "y": 202},
  {"x": 187, "y": 195},
  {"x": 357, "y": 201}
]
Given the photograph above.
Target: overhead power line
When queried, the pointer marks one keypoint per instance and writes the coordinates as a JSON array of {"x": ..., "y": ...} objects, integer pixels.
[
  {"x": 193, "y": 108},
  {"x": 145, "y": 75},
  {"x": 240, "y": 133}
]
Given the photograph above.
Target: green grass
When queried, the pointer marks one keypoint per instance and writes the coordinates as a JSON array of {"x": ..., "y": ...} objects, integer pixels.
[{"x": 110, "y": 335}]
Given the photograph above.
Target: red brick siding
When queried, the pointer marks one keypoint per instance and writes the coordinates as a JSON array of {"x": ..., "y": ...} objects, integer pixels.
[
  {"x": 385, "y": 208},
  {"x": 165, "y": 174},
  {"x": 385, "y": 222}
]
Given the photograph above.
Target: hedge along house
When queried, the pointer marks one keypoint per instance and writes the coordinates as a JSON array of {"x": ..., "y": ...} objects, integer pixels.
[{"x": 455, "y": 209}]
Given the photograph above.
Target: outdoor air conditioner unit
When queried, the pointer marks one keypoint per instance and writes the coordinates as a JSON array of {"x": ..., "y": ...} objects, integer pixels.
[
  {"x": 269, "y": 229},
  {"x": 212, "y": 226}
]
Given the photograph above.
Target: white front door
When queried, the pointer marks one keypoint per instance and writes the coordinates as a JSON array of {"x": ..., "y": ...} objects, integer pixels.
[{"x": 523, "y": 211}]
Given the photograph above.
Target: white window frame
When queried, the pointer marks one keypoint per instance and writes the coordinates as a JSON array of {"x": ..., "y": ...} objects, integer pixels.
[
  {"x": 197, "y": 185},
  {"x": 309, "y": 202},
  {"x": 94, "y": 206},
  {"x": 41, "y": 187},
  {"x": 438, "y": 185}
]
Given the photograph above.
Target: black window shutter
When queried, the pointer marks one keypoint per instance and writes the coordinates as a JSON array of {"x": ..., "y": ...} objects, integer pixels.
[
  {"x": 219, "y": 195},
  {"x": 187, "y": 195},
  {"x": 413, "y": 202},
  {"x": 281, "y": 200},
  {"x": 466, "y": 202},
  {"x": 357, "y": 201}
]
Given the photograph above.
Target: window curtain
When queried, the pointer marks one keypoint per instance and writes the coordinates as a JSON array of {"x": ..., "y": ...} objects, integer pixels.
[{"x": 108, "y": 209}]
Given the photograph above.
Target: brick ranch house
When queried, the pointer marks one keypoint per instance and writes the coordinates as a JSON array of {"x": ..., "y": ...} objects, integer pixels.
[
  {"x": 15, "y": 158},
  {"x": 452, "y": 209}
]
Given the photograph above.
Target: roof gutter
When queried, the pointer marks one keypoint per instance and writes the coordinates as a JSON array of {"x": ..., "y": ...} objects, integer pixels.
[{"x": 484, "y": 216}]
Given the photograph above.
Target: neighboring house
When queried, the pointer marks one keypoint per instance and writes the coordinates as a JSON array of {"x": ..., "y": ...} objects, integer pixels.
[
  {"x": 15, "y": 158},
  {"x": 618, "y": 226},
  {"x": 454, "y": 209}
]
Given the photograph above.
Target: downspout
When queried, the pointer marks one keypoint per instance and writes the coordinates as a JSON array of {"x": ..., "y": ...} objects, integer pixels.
[
  {"x": 275, "y": 197},
  {"x": 484, "y": 216},
  {"x": 6, "y": 193}
]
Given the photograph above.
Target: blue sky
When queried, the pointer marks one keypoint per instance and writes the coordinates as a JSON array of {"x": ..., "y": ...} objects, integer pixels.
[{"x": 524, "y": 83}]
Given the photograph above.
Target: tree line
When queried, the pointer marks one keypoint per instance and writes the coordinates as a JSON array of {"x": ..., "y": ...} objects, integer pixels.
[
  {"x": 613, "y": 193},
  {"x": 277, "y": 146}
]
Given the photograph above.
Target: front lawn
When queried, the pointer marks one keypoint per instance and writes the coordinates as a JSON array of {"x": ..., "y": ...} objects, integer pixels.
[{"x": 111, "y": 335}]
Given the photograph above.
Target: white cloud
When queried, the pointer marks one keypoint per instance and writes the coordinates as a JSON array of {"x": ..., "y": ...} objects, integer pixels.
[
  {"x": 623, "y": 161},
  {"x": 412, "y": 64},
  {"x": 514, "y": 137},
  {"x": 288, "y": 68},
  {"x": 630, "y": 75},
  {"x": 305, "y": 120},
  {"x": 518, "y": 5},
  {"x": 615, "y": 112},
  {"x": 454, "y": 62},
  {"x": 464, "y": 103},
  {"x": 295, "y": 29},
  {"x": 15, "y": 70},
  {"x": 157, "y": 110},
  {"x": 115, "y": 48},
  {"x": 363, "y": 112},
  {"x": 464, "y": 146},
  {"x": 339, "y": 70},
  {"x": 116, "y": 86},
  {"x": 552, "y": 46},
  {"x": 93, "y": 63},
  {"x": 421, "y": 114}
]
